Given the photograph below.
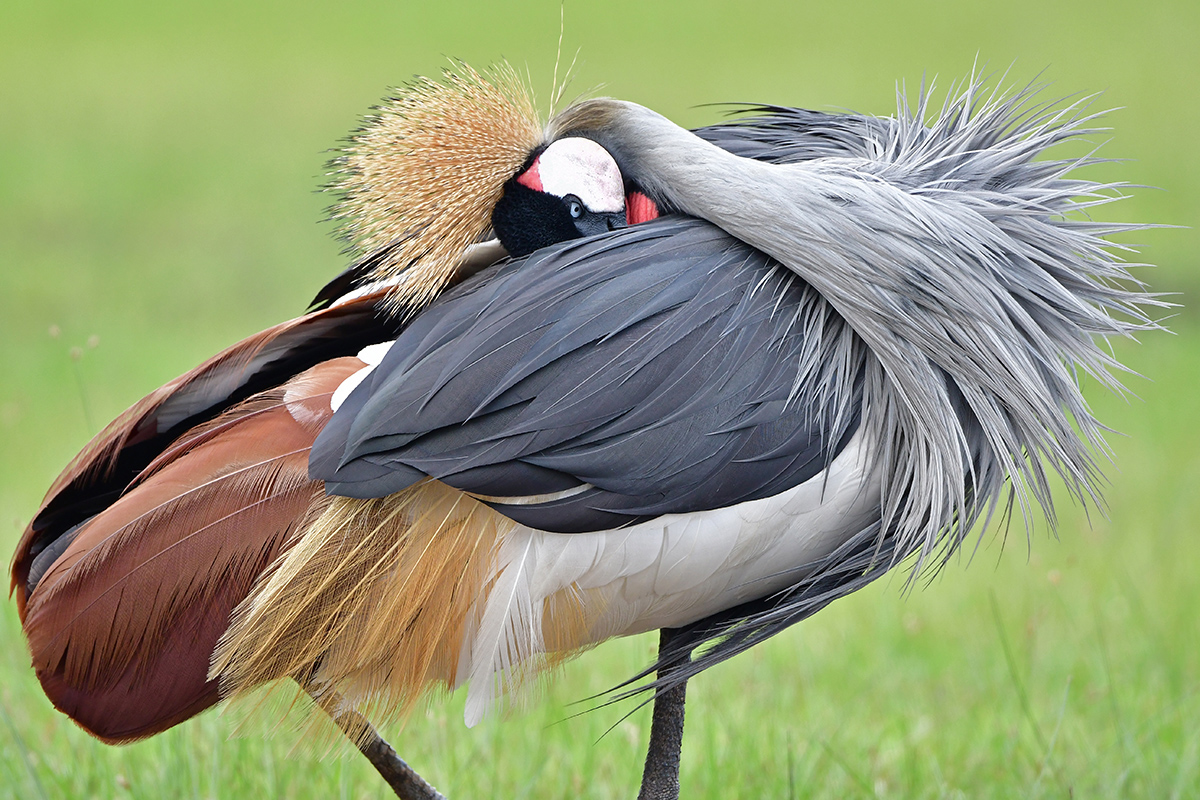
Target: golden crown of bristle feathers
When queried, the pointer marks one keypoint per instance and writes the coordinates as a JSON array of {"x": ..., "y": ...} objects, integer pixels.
[{"x": 423, "y": 173}]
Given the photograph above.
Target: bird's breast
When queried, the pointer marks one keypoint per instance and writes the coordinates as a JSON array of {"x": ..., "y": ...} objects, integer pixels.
[
  {"x": 680, "y": 568},
  {"x": 560, "y": 592}
]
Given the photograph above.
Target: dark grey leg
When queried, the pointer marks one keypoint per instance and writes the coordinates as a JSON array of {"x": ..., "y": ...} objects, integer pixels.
[
  {"x": 405, "y": 782},
  {"x": 660, "y": 776}
]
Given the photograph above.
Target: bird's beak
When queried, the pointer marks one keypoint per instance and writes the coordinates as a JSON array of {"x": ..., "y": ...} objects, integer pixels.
[
  {"x": 615, "y": 221},
  {"x": 595, "y": 223}
]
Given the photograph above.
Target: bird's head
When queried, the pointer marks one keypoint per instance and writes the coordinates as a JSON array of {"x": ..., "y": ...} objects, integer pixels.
[
  {"x": 417, "y": 182},
  {"x": 442, "y": 165},
  {"x": 571, "y": 188}
]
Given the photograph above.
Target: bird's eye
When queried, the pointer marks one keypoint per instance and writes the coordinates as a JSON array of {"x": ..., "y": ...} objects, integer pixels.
[{"x": 574, "y": 205}]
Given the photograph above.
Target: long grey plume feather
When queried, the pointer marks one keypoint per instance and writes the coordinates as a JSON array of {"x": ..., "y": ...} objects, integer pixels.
[{"x": 965, "y": 268}]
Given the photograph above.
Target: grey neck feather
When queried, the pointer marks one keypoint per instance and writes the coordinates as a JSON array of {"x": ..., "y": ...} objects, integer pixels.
[{"x": 950, "y": 254}]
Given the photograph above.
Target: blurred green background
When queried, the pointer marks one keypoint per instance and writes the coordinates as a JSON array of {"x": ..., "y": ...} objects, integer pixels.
[{"x": 158, "y": 168}]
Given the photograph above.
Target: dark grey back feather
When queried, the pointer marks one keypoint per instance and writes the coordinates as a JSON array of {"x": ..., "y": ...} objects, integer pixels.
[
  {"x": 654, "y": 370},
  {"x": 783, "y": 135}
]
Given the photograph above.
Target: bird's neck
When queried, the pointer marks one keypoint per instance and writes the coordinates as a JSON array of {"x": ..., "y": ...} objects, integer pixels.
[{"x": 801, "y": 214}]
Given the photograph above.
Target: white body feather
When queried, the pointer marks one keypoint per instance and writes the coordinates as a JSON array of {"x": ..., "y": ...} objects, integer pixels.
[{"x": 665, "y": 573}]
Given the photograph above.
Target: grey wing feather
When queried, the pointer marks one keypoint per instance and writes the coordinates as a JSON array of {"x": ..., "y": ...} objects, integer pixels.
[
  {"x": 655, "y": 369},
  {"x": 784, "y": 135},
  {"x": 990, "y": 308}
]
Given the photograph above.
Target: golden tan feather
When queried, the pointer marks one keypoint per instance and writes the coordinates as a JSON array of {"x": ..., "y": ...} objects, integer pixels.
[
  {"x": 379, "y": 595},
  {"x": 426, "y": 169},
  {"x": 375, "y": 600}
]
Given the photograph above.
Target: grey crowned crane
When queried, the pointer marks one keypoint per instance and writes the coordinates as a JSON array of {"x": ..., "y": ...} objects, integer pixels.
[{"x": 704, "y": 382}]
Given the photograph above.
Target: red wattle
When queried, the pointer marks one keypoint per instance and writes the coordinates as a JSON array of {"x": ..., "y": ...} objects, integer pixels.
[
  {"x": 531, "y": 177},
  {"x": 639, "y": 208}
]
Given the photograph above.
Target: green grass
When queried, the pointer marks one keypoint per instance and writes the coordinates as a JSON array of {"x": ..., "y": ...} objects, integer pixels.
[{"x": 157, "y": 172}]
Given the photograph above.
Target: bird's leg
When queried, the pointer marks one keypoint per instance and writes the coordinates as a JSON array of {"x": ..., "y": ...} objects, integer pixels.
[
  {"x": 660, "y": 775},
  {"x": 403, "y": 779}
]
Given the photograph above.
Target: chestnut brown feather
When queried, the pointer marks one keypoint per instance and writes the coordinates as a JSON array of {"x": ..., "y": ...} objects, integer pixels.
[
  {"x": 122, "y": 625},
  {"x": 111, "y": 462}
]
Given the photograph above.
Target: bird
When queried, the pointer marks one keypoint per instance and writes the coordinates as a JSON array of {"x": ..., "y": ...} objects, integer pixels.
[{"x": 590, "y": 378}]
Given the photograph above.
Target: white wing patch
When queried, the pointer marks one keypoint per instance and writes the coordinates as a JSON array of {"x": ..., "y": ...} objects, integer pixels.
[
  {"x": 531, "y": 499},
  {"x": 370, "y": 355}
]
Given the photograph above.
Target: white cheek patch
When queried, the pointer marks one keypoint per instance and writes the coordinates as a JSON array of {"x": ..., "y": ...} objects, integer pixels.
[
  {"x": 370, "y": 355},
  {"x": 585, "y": 169}
]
